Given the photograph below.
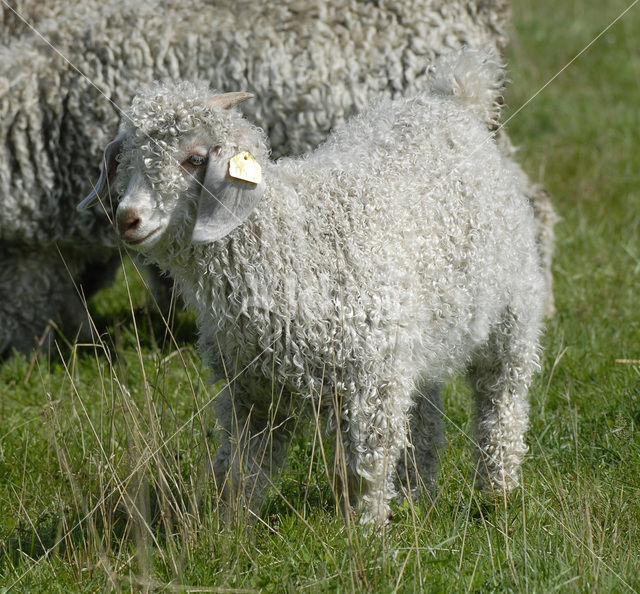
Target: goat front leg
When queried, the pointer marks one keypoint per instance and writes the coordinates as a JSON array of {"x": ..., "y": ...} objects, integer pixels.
[
  {"x": 253, "y": 447},
  {"x": 419, "y": 462},
  {"x": 373, "y": 433}
]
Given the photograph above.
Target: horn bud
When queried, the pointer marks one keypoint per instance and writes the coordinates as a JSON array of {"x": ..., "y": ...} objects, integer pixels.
[{"x": 229, "y": 100}]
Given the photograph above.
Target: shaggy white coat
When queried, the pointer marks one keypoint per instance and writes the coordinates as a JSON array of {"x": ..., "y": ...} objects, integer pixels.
[{"x": 399, "y": 252}]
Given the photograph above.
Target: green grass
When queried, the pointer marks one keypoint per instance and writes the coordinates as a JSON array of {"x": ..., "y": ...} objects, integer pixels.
[{"x": 103, "y": 450}]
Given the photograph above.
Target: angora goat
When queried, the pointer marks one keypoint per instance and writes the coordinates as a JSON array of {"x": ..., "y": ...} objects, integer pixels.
[
  {"x": 310, "y": 64},
  {"x": 400, "y": 251}
]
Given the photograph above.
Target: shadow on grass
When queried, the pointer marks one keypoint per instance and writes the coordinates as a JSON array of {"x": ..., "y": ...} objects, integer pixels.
[
  {"x": 147, "y": 326},
  {"x": 109, "y": 528}
]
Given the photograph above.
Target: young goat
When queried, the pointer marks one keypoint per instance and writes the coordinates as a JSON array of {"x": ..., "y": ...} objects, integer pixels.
[{"x": 356, "y": 278}]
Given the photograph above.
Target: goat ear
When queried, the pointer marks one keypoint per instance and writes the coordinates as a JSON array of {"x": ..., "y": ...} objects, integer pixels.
[
  {"x": 228, "y": 100},
  {"x": 226, "y": 199},
  {"x": 107, "y": 172}
]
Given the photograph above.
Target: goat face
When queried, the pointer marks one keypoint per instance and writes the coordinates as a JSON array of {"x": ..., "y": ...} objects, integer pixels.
[{"x": 192, "y": 179}]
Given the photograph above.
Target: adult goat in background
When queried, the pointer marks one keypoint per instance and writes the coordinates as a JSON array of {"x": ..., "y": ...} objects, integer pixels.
[{"x": 310, "y": 64}]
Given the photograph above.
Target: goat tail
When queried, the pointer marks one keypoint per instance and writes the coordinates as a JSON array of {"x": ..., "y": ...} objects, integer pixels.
[{"x": 476, "y": 78}]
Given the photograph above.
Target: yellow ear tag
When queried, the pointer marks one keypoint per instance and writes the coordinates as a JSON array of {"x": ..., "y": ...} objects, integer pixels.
[{"x": 245, "y": 168}]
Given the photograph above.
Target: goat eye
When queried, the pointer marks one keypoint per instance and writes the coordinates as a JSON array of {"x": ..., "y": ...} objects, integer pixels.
[{"x": 195, "y": 160}]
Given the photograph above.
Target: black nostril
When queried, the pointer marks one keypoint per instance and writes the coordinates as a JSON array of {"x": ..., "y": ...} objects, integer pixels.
[
  {"x": 128, "y": 222},
  {"x": 133, "y": 223}
]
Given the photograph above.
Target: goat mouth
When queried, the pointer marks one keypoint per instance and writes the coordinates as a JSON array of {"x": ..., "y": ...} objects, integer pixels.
[{"x": 141, "y": 239}]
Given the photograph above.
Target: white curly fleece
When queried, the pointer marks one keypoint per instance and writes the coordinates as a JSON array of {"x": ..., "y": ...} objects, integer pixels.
[{"x": 399, "y": 252}]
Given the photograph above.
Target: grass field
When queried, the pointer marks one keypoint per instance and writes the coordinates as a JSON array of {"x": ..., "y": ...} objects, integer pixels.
[{"x": 104, "y": 449}]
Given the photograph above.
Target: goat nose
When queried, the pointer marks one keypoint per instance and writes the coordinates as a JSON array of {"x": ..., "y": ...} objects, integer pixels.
[{"x": 128, "y": 221}]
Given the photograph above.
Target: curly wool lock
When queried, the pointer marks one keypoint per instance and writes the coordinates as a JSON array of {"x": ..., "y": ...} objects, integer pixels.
[{"x": 359, "y": 277}]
